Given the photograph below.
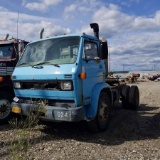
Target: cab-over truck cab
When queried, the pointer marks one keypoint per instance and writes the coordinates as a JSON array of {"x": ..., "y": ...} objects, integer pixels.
[
  {"x": 10, "y": 50},
  {"x": 69, "y": 73}
]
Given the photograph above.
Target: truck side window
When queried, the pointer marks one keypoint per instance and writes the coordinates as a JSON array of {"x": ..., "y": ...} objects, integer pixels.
[
  {"x": 90, "y": 50},
  {"x": 6, "y": 51}
]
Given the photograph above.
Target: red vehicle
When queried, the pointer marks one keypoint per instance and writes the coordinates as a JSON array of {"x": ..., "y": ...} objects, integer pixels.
[
  {"x": 10, "y": 50},
  {"x": 135, "y": 75}
]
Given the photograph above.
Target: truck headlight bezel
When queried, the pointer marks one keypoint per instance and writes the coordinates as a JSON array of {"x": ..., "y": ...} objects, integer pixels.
[
  {"x": 66, "y": 85},
  {"x": 17, "y": 85}
]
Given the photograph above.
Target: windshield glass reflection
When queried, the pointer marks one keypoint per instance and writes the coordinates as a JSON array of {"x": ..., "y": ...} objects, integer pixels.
[{"x": 57, "y": 51}]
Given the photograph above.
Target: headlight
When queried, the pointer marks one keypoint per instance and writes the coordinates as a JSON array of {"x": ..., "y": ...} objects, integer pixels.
[
  {"x": 17, "y": 85},
  {"x": 66, "y": 85}
]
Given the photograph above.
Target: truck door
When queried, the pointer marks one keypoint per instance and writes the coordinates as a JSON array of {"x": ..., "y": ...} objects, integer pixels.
[{"x": 93, "y": 66}]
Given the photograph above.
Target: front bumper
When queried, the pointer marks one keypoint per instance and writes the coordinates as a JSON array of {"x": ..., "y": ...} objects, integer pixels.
[{"x": 50, "y": 113}]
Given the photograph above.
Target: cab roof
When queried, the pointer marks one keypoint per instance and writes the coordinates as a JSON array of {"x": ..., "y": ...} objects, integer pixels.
[
  {"x": 68, "y": 35},
  {"x": 7, "y": 42}
]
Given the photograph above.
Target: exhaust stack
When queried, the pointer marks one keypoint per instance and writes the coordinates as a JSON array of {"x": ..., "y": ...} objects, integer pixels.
[
  {"x": 95, "y": 27},
  {"x": 6, "y": 37},
  {"x": 41, "y": 33}
]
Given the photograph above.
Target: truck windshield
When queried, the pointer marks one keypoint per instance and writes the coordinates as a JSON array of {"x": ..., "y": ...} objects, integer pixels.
[
  {"x": 6, "y": 51},
  {"x": 62, "y": 50}
]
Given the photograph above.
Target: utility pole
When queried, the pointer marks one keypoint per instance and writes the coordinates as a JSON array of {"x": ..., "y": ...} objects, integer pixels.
[
  {"x": 17, "y": 24},
  {"x": 108, "y": 59}
]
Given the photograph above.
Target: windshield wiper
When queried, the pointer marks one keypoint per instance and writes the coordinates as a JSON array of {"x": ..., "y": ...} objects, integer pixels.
[
  {"x": 56, "y": 65},
  {"x": 22, "y": 64},
  {"x": 45, "y": 62},
  {"x": 40, "y": 63}
]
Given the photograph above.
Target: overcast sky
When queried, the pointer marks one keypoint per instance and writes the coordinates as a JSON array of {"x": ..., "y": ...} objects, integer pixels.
[{"x": 132, "y": 27}]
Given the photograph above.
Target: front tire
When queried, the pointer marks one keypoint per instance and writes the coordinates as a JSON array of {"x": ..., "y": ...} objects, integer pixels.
[
  {"x": 101, "y": 121},
  {"x": 5, "y": 106}
]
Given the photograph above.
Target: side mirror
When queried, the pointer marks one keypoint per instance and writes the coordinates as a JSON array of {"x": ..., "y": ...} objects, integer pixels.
[{"x": 104, "y": 50}]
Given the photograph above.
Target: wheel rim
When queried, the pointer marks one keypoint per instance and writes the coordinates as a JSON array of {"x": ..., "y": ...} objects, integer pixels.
[
  {"x": 4, "y": 108},
  {"x": 103, "y": 114}
]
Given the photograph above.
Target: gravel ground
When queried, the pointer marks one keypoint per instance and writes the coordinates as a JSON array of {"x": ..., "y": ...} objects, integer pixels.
[{"x": 131, "y": 135}]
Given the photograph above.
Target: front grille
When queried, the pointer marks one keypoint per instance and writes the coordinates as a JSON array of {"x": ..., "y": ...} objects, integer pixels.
[
  {"x": 6, "y": 70},
  {"x": 53, "y": 85},
  {"x": 42, "y": 84}
]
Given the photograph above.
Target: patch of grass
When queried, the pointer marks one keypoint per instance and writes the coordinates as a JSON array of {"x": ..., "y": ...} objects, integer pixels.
[{"x": 21, "y": 137}]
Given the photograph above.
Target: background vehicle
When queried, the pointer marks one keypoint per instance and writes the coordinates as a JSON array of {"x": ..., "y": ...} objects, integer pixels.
[
  {"x": 10, "y": 51},
  {"x": 71, "y": 73}
]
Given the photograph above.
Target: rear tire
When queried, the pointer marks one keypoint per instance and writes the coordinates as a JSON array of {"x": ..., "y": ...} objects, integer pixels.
[
  {"x": 134, "y": 97},
  {"x": 125, "y": 97},
  {"x": 5, "y": 106},
  {"x": 101, "y": 121}
]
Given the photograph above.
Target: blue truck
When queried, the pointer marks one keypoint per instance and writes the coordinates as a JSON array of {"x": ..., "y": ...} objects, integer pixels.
[
  {"x": 10, "y": 50},
  {"x": 70, "y": 73}
]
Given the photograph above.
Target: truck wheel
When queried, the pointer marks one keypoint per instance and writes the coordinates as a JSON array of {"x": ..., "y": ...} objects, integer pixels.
[
  {"x": 134, "y": 97},
  {"x": 5, "y": 106},
  {"x": 125, "y": 97},
  {"x": 101, "y": 121}
]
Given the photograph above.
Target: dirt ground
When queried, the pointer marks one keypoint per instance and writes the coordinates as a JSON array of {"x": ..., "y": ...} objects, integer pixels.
[{"x": 131, "y": 135}]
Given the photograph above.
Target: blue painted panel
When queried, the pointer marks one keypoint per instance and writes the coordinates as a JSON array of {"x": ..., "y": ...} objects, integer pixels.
[
  {"x": 95, "y": 74},
  {"x": 48, "y": 72},
  {"x": 65, "y": 95},
  {"x": 91, "y": 110}
]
